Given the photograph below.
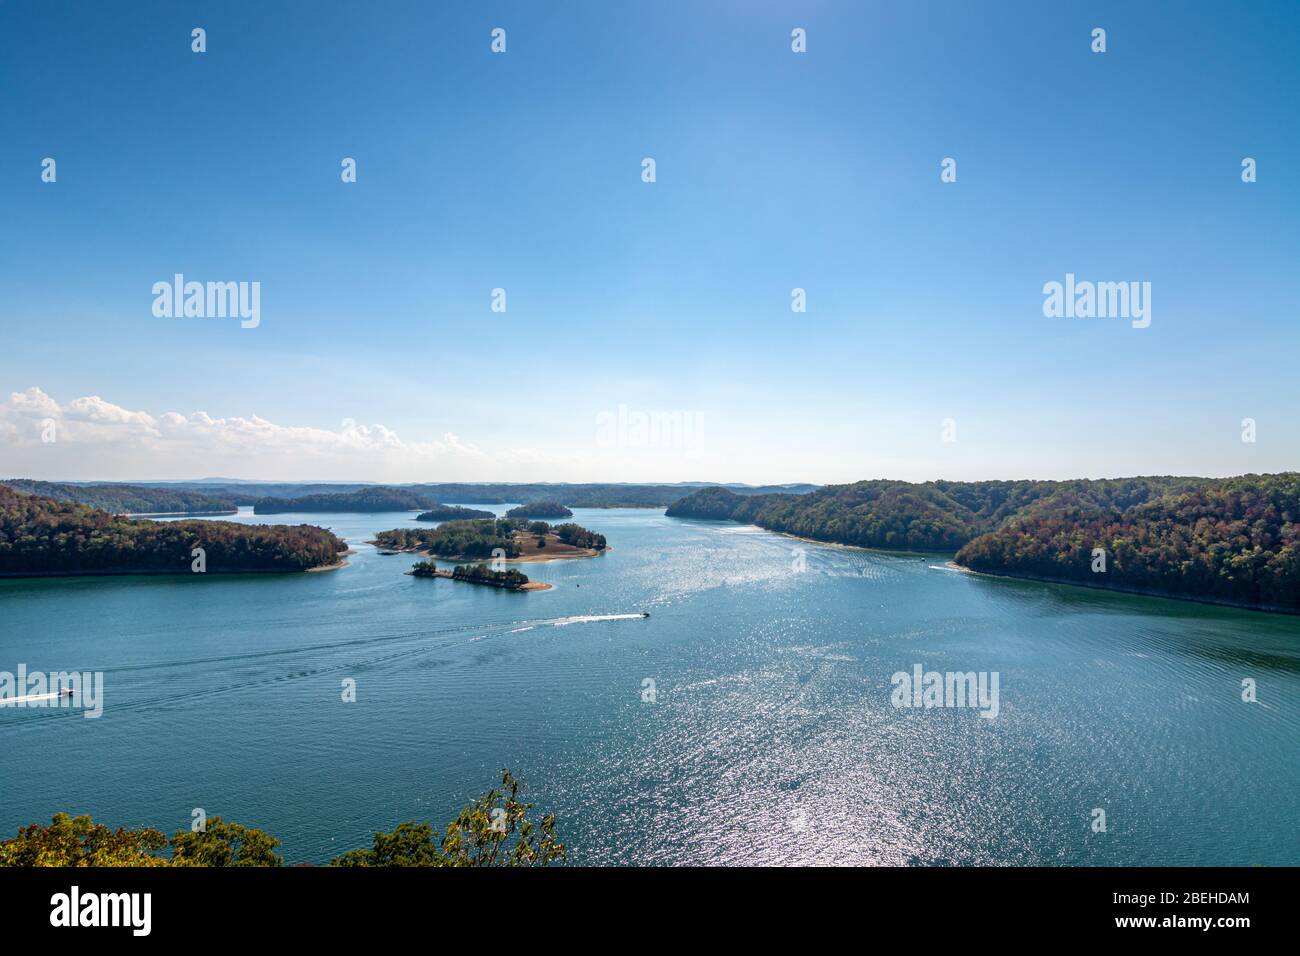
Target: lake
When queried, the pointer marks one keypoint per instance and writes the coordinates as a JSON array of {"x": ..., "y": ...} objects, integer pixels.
[{"x": 771, "y": 737}]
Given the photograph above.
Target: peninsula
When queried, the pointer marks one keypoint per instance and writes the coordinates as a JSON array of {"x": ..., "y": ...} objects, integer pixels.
[{"x": 42, "y": 537}]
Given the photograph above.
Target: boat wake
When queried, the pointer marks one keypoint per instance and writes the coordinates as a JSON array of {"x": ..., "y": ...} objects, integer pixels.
[
  {"x": 29, "y": 699},
  {"x": 589, "y": 618}
]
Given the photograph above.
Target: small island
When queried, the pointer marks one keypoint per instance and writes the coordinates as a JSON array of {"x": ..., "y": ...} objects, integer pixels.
[
  {"x": 509, "y": 539},
  {"x": 510, "y": 580},
  {"x": 540, "y": 509},
  {"x": 452, "y": 513}
]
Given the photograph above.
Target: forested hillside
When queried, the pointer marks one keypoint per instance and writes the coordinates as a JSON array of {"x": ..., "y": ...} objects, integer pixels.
[
  {"x": 1234, "y": 539},
  {"x": 39, "y": 535},
  {"x": 371, "y": 499},
  {"x": 127, "y": 499}
]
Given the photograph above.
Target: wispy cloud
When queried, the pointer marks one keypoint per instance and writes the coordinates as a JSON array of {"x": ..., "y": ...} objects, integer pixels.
[{"x": 92, "y": 437}]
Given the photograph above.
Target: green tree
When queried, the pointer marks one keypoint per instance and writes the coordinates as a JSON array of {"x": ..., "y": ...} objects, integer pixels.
[
  {"x": 79, "y": 841},
  {"x": 224, "y": 844},
  {"x": 494, "y": 830},
  {"x": 411, "y": 844}
]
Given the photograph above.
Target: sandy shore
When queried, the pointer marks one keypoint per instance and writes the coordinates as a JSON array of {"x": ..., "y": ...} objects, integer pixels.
[
  {"x": 541, "y": 558},
  {"x": 328, "y": 567},
  {"x": 342, "y": 562},
  {"x": 538, "y": 557}
]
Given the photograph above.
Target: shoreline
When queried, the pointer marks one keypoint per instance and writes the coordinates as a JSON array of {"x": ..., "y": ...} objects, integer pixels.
[
  {"x": 526, "y": 559},
  {"x": 176, "y": 514},
  {"x": 342, "y": 562},
  {"x": 1139, "y": 592},
  {"x": 829, "y": 544},
  {"x": 565, "y": 556},
  {"x": 19, "y": 575},
  {"x": 954, "y": 566},
  {"x": 447, "y": 575}
]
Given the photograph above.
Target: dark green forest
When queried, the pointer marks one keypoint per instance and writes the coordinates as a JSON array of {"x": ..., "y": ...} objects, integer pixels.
[
  {"x": 1235, "y": 540},
  {"x": 540, "y": 509},
  {"x": 39, "y": 535},
  {"x": 474, "y": 574},
  {"x": 456, "y": 539},
  {"x": 452, "y": 513},
  {"x": 373, "y": 499},
  {"x": 579, "y": 536},
  {"x": 478, "y": 539},
  {"x": 127, "y": 499}
]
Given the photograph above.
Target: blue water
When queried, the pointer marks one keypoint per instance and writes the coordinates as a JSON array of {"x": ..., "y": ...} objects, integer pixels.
[{"x": 771, "y": 739}]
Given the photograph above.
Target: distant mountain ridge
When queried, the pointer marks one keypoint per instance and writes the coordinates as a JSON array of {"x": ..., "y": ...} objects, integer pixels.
[
  {"x": 127, "y": 499},
  {"x": 586, "y": 495},
  {"x": 362, "y": 500}
]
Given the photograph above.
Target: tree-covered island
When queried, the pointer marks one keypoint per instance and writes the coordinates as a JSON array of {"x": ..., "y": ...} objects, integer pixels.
[
  {"x": 452, "y": 513},
  {"x": 367, "y": 500},
  {"x": 508, "y": 580},
  {"x": 540, "y": 509},
  {"x": 510, "y": 539}
]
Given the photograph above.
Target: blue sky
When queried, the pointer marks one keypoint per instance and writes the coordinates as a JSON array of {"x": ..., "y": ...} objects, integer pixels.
[{"x": 522, "y": 171}]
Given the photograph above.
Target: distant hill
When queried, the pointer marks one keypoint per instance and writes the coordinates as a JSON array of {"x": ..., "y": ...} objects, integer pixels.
[
  {"x": 1229, "y": 540},
  {"x": 598, "y": 495},
  {"x": 127, "y": 499},
  {"x": 365, "y": 500}
]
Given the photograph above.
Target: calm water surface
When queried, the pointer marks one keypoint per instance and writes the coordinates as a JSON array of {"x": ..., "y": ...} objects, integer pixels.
[{"x": 772, "y": 738}]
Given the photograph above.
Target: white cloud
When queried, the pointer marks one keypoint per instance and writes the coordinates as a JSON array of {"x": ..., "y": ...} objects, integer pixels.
[{"x": 97, "y": 439}]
